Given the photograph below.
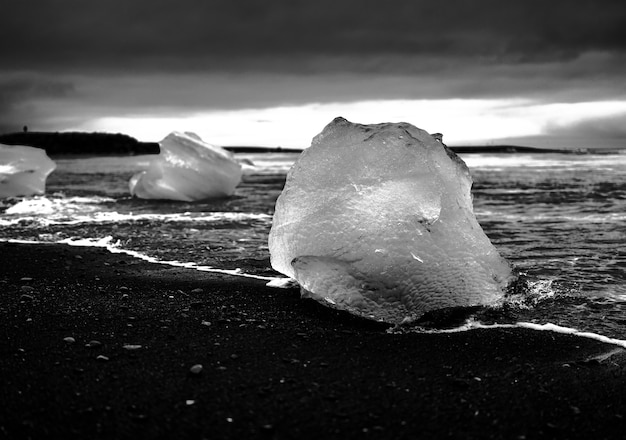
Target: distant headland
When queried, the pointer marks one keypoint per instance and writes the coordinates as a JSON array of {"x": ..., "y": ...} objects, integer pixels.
[
  {"x": 80, "y": 143},
  {"x": 104, "y": 144},
  {"x": 108, "y": 144}
]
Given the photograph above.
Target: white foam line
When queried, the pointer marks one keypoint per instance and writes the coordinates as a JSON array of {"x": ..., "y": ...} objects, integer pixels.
[
  {"x": 473, "y": 325},
  {"x": 114, "y": 217},
  {"x": 572, "y": 331},
  {"x": 106, "y": 243}
]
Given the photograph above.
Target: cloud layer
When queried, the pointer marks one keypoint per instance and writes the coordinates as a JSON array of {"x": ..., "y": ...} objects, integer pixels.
[
  {"x": 68, "y": 62},
  {"x": 223, "y": 35}
]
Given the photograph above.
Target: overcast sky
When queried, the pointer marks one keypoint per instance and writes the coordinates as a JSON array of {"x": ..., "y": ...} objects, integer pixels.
[{"x": 275, "y": 72}]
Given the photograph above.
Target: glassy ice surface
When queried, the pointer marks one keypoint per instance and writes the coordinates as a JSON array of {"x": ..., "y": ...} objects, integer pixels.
[
  {"x": 378, "y": 220},
  {"x": 23, "y": 170},
  {"x": 187, "y": 169}
]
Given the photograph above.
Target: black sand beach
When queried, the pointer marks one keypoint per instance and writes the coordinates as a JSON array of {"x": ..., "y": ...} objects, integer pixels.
[{"x": 273, "y": 365}]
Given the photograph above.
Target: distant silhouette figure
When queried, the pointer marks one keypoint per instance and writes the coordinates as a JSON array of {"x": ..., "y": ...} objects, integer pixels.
[{"x": 25, "y": 128}]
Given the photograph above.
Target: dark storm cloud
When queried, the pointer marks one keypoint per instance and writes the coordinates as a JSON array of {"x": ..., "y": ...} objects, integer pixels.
[
  {"x": 147, "y": 57},
  {"x": 16, "y": 91},
  {"x": 294, "y": 35}
]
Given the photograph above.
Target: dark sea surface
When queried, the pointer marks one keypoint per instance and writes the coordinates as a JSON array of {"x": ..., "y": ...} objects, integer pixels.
[{"x": 559, "y": 218}]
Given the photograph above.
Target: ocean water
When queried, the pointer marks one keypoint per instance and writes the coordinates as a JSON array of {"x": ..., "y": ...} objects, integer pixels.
[{"x": 559, "y": 218}]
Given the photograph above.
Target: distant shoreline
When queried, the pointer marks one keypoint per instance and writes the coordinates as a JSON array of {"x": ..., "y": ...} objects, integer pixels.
[
  {"x": 81, "y": 143},
  {"x": 110, "y": 144},
  {"x": 504, "y": 149}
]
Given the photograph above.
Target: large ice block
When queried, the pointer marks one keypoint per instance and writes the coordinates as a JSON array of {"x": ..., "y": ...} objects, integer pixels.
[
  {"x": 378, "y": 220},
  {"x": 23, "y": 170},
  {"x": 187, "y": 169}
]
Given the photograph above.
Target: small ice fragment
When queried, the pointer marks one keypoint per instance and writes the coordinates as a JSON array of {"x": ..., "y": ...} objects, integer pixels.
[{"x": 283, "y": 283}]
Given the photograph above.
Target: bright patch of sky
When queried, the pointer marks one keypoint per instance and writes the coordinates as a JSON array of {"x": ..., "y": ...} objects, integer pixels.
[{"x": 462, "y": 121}]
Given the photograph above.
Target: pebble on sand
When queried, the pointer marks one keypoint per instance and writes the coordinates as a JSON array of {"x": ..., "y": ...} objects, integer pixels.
[
  {"x": 196, "y": 369},
  {"x": 69, "y": 340},
  {"x": 102, "y": 358},
  {"x": 93, "y": 344},
  {"x": 131, "y": 346}
]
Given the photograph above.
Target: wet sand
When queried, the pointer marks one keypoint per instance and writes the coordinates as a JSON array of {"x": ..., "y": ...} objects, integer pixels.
[{"x": 273, "y": 365}]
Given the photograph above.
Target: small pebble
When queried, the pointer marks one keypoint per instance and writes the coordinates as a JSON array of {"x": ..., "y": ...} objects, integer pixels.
[
  {"x": 93, "y": 344},
  {"x": 69, "y": 340},
  {"x": 25, "y": 297},
  {"x": 131, "y": 347},
  {"x": 206, "y": 323},
  {"x": 26, "y": 279},
  {"x": 198, "y": 290},
  {"x": 196, "y": 369},
  {"x": 102, "y": 358},
  {"x": 190, "y": 402}
]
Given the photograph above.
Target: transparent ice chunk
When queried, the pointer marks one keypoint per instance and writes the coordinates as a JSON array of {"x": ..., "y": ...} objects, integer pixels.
[{"x": 378, "y": 220}]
